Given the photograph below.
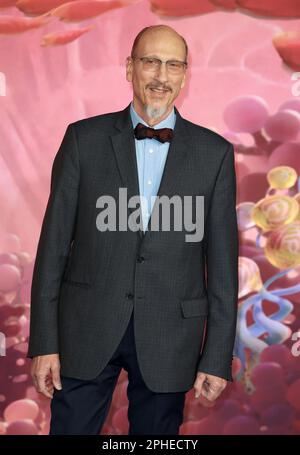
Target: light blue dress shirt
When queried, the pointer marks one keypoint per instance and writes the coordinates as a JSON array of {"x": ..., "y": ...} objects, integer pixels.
[{"x": 151, "y": 156}]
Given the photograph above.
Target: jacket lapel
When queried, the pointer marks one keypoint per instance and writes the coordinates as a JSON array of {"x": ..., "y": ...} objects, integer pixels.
[{"x": 124, "y": 148}]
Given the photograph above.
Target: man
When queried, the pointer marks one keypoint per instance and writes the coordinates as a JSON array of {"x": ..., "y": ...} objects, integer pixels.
[{"x": 103, "y": 300}]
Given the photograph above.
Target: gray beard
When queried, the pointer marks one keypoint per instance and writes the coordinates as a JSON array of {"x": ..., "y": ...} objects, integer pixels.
[{"x": 155, "y": 112}]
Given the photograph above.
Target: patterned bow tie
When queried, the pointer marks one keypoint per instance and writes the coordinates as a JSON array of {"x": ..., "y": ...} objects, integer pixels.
[{"x": 161, "y": 134}]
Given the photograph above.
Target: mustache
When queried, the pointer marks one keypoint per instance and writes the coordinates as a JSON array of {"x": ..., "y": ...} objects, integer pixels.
[{"x": 159, "y": 87}]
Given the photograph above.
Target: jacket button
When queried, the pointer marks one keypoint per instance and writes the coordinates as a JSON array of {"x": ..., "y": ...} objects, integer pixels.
[
  {"x": 140, "y": 259},
  {"x": 129, "y": 296}
]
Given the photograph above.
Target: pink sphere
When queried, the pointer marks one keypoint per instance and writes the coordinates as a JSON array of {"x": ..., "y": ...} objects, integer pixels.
[
  {"x": 267, "y": 373},
  {"x": 293, "y": 394},
  {"x": 10, "y": 277},
  {"x": 293, "y": 104},
  {"x": 246, "y": 114},
  {"x": 9, "y": 258},
  {"x": 283, "y": 126},
  {"x": 267, "y": 395},
  {"x": 277, "y": 415},
  {"x": 22, "y": 427},
  {"x": 21, "y": 409},
  {"x": 278, "y": 353},
  {"x": 287, "y": 154}
]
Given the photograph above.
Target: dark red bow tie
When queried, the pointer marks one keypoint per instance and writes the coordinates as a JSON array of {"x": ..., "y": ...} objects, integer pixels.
[{"x": 161, "y": 134}]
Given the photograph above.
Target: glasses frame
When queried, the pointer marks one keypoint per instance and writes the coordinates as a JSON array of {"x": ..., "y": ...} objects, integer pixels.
[{"x": 161, "y": 61}]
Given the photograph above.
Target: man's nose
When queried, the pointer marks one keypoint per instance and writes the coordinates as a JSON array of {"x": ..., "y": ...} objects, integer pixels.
[{"x": 162, "y": 73}]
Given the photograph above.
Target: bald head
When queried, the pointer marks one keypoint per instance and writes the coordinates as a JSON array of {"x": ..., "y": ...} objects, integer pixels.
[
  {"x": 157, "y": 70},
  {"x": 163, "y": 32}
]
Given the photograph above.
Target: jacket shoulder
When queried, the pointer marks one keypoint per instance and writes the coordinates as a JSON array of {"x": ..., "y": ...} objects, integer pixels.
[
  {"x": 100, "y": 122},
  {"x": 211, "y": 137}
]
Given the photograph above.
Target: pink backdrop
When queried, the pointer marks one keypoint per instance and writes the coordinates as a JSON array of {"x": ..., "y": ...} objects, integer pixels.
[{"x": 62, "y": 66}]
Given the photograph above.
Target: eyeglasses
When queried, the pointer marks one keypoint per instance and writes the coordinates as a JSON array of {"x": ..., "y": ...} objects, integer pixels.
[{"x": 154, "y": 64}]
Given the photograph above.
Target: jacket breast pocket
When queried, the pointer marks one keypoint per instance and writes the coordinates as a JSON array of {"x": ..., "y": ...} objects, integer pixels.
[{"x": 194, "y": 307}]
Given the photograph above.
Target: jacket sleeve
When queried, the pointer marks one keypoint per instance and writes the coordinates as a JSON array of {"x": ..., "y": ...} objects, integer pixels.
[
  {"x": 53, "y": 248},
  {"x": 221, "y": 251}
]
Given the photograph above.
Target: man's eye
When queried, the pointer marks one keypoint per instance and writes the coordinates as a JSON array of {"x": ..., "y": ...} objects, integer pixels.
[
  {"x": 151, "y": 60},
  {"x": 174, "y": 64}
]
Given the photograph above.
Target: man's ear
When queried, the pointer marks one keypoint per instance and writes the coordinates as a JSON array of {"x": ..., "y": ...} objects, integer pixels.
[
  {"x": 183, "y": 81},
  {"x": 129, "y": 69}
]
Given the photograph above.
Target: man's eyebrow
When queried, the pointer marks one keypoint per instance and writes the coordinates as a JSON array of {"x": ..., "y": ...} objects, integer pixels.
[{"x": 155, "y": 56}]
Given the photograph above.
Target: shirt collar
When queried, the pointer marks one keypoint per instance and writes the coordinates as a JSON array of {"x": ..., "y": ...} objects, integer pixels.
[{"x": 168, "y": 122}]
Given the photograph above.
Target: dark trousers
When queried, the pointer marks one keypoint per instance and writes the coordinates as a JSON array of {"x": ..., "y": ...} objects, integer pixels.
[{"x": 81, "y": 406}]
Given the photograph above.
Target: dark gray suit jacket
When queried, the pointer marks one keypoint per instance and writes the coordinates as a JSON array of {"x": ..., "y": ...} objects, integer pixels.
[{"x": 86, "y": 283}]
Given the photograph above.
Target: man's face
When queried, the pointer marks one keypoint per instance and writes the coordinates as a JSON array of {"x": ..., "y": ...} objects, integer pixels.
[{"x": 163, "y": 45}]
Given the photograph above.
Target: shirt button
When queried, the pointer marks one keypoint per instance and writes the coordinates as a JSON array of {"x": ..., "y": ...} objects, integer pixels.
[
  {"x": 140, "y": 259},
  {"x": 149, "y": 182},
  {"x": 150, "y": 150},
  {"x": 129, "y": 296}
]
